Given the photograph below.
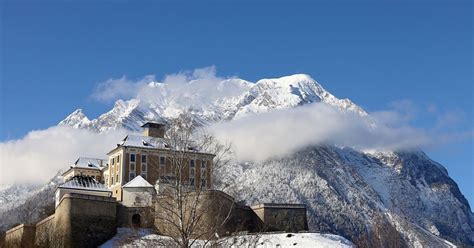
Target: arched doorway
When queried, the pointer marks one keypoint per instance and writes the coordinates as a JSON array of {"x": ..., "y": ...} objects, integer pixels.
[{"x": 136, "y": 220}]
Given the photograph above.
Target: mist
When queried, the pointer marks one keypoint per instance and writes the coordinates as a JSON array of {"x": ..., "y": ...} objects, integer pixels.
[
  {"x": 282, "y": 132},
  {"x": 41, "y": 154}
]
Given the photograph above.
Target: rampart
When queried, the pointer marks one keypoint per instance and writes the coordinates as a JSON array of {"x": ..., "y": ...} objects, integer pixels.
[
  {"x": 20, "y": 236},
  {"x": 44, "y": 231},
  {"x": 85, "y": 220},
  {"x": 282, "y": 217},
  {"x": 82, "y": 220}
]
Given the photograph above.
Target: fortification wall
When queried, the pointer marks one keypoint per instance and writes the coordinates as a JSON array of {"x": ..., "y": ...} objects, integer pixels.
[
  {"x": 282, "y": 217},
  {"x": 217, "y": 212},
  {"x": 243, "y": 219},
  {"x": 84, "y": 221},
  {"x": 20, "y": 236},
  {"x": 142, "y": 217},
  {"x": 44, "y": 232}
]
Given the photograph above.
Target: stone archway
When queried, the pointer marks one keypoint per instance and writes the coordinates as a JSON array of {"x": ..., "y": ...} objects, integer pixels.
[{"x": 136, "y": 220}]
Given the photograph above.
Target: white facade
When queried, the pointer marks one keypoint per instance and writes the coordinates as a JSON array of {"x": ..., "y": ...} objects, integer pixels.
[{"x": 138, "y": 193}]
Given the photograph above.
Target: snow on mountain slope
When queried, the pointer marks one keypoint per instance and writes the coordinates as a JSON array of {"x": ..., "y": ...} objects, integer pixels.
[
  {"x": 29, "y": 203},
  {"x": 390, "y": 198},
  {"x": 287, "y": 92},
  {"x": 14, "y": 194},
  {"x": 247, "y": 98},
  {"x": 351, "y": 194},
  {"x": 76, "y": 119}
]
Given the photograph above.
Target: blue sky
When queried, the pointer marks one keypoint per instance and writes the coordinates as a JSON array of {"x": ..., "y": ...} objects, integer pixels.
[{"x": 377, "y": 53}]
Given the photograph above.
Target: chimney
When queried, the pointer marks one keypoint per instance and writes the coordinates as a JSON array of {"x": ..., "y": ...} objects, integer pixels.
[{"x": 153, "y": 129}]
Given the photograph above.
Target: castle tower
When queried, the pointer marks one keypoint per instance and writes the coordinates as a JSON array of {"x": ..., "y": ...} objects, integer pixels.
[{"x": 153, "y": 129}]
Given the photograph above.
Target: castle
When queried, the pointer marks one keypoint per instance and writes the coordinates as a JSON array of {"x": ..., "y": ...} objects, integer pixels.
[{"x": 128, "y": 190}]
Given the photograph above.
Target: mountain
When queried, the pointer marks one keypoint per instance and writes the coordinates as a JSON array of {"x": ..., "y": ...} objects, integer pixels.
[
  {"x": 250, "y": 98},
  {"x": 27, "y": 203},
  {"x": 384, "y": 199}
]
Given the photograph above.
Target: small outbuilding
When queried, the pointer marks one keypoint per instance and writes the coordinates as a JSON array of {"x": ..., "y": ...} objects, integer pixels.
[
  {"x": 138, "y": 193},
  {"x": 137, "y": 206}
]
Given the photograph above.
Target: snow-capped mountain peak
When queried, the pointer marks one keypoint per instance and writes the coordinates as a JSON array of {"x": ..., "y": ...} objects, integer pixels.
[
  {"x": 76, "y": 119},
  {"x": 213, "y": 100}
]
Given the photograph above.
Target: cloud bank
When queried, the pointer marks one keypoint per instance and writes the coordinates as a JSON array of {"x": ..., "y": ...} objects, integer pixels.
[
  {"x": 282, "y": 132},
  {"x": 41, "y": 154}
]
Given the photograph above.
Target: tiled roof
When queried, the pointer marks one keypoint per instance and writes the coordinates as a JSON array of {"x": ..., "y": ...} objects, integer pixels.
[{"x": 84, "y": 182}]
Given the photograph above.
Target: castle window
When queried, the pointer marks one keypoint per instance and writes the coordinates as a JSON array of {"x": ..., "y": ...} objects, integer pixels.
[
  {"x": 132, "y": 167},
  {"x": 112, "y": 182},
  {"x": 131, "y": 176},
  {"x": 203, "y": 173},
  {"x": 143, "y": 175},
  {"x": 192, "y": 172},
  {"x": 144, "y": 167},
  {"x": 132, "y": 157},
  {"x": 162, "y": 160},
  {"x": 143, "y": 158},
  {"x": 118, "y": 159},
  {"x": 113, "y": 161},
  {"x": 117, "y": 179},
  {"x": 192, "y": 169}
]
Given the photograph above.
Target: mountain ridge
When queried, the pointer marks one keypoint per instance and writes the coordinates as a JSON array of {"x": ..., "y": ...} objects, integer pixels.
[{"x": 263, "y": 96}]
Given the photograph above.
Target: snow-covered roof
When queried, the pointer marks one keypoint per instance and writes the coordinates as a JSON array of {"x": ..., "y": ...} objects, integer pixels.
[
  {"x": 91, "y": 163},
  {"x": 153, "y": 124},
  {"x": 83, "y": 182},
  {"x": 144, "y": 141},
  {"x": 149, "y": 142},
  {"x": 138, "y": 182}
]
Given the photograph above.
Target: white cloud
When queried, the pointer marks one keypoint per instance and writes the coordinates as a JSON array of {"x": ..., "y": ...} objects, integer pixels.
[
  {"x": 282, "y": 132},
  {"x": 40, "y": 154},
  {"x": 186, "y": 89},
  {"x": 123, "y": 87}
]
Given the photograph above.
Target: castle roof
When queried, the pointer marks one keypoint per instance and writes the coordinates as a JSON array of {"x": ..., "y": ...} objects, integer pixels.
[
  {"x": 83, "y": 182},
  {"x": 138, "y": 182},
  {"x": 154, "y": 124},
  {"x": 90, "y": 163},
  {"x": 144, "y": 142}
]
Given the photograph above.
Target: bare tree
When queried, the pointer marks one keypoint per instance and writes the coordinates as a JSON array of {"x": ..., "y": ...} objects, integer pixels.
[{"x": 185, "y": 212}]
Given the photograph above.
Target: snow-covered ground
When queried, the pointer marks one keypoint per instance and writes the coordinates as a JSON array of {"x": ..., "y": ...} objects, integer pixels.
[{"x": 127, "y": 237}]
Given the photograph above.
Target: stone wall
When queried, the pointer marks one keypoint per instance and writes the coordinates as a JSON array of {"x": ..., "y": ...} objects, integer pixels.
[
  {"x": 85, "y": 221},
  {"x": 244, "y": 219},
  {"x": 20, "y": 236},
  {"x": 217, "y": 213},
  {"x": 141, "y": 217},
  {"x": 282, "y": 217},
  {"x": 44, "y": 232}
]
